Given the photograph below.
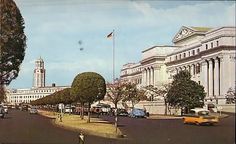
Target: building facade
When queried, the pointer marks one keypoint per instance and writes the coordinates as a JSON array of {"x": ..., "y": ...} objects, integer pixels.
[
  {"x": 207, "y": 53},
  {"x": 38, "y": 90}
]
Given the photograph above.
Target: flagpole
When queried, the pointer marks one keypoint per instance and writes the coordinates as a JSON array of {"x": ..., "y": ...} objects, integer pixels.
[
  {"x": 113, "y": 77},
  {"x": 113, "y": 55}
]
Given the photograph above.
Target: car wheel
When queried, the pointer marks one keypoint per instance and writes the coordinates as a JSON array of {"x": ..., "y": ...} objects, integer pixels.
[
  {"x": 197, "y": 123},
  {"x": 184, "y": 121}
]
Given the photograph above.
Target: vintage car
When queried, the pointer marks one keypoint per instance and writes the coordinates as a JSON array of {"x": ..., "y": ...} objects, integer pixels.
[
  {"x": 137, "y": 113},
  {"x": 33, "y": 110},
  {"x": 2, "y": 112},
  {"x": 200, "y": 116}
]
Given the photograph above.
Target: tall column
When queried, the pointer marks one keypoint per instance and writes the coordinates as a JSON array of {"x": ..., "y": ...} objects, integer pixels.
[
  {"x": 154, "y": 77},
  {"x": 204, "y": 74},
  {"x": 210, "y": 78},
  {"x": 143, "y": 79},
  {"x": 216, "y": 78},
  {"x": 151, "y": 76},
  {"x": 147, "y": 77},
  {"x": 192, "y": 70},
  {"x": 225, "y": 74}
]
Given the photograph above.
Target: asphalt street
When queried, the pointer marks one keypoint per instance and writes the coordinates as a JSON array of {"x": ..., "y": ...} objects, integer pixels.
[{"x": 22, "y": 128}]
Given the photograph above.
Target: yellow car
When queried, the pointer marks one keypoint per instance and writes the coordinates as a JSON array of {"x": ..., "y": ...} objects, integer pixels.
[{"x": 200, "y": 116}]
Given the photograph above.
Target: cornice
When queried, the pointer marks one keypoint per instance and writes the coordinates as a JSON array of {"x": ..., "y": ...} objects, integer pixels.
[
  {"x": 153, "y": 59},
  {"x": 202, "y": 53}
]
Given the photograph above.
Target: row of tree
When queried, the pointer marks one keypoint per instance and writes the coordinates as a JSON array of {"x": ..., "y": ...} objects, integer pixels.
[
  {"x": 90, "y": 87},
  {"x": 63, "y": 96},
  {"x": 87, "y": 87},
  {"x": 182, "y": 93}
]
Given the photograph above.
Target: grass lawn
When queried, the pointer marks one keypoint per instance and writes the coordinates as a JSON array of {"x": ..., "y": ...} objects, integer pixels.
[{"x": 95, "y": 127}]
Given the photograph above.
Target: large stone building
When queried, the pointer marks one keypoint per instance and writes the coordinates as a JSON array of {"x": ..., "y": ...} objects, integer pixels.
[
  {"x": 207, "y": 53},
  {"x": 39, "y": 90}
]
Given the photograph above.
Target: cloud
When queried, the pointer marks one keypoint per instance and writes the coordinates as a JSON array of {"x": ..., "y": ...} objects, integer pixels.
[{"x": 53, "y": 29}]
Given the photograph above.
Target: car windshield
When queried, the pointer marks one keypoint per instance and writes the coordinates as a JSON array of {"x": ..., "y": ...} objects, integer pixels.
[{"x": 203, "y": 113}]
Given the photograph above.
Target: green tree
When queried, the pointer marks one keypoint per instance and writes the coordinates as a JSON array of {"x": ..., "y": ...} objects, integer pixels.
[
  {"x": 185, "y": 93},
  {"x": 2, "y": 94},
  {"x": 88, "y": 87},
  {"x": 133, "y": 94},
  {"x": 12, "y": 42},
  {"x": 63, "y": 96}
]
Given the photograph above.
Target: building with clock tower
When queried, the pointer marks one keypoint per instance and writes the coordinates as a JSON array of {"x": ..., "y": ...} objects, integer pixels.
[{"x": 39, "y": 73}]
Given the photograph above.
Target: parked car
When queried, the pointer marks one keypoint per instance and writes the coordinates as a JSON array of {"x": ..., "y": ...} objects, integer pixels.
[
  {"x": 101, "y": 108},
  {"x": 33, "y": 110},
  {"x": 122, "y": 112},
  {"x": 5, "y": 109},
  {"x": 2, "y": 112},
  {"x": 200, "y": 116},
  {"x": 24, "y": 108},
  {"x": 68, "y": 109},
  {"x": 136, "y": 113}
]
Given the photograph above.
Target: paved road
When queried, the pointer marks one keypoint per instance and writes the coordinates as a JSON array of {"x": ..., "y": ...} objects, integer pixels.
[
  {"x": 22, "y": 128},
  {"x": 173, "y": 131}
]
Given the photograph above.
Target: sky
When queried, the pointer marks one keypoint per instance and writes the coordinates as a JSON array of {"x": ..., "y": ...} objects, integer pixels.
[{"x": 55, "y": 28}]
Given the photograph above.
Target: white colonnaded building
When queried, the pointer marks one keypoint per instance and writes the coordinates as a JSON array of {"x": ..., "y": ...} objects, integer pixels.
[
  {"x": 207, "y": 53},
  {"x": 39, "y": 90}
]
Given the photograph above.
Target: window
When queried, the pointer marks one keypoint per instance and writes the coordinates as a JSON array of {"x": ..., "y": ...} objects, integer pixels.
[
  {"x": 170, "y": 58},
  {"x": 179, "y": 56},
  {"x": 212, "y": 45},
  {"x": 193, "y": 52},
  {"x": 198, "y": 50},
  {"x": 184, "y": 55},
  {"x": 189, "y": 53},
  {"x": 217, "y": 43},
  {"x": 176, "y": 57},
  {"x": 206, "y": 46}
]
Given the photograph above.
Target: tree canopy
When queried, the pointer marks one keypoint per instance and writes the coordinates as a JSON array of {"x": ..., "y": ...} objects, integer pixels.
[
  {"x": 185, "y": 93},
  {"x": 12, "y": 41},
  {"x": 88, "y": 87},
  {"x": 133, "y": 94},
  {"x": 115, "y": 93},
  {"x": 62, "y": 96}
]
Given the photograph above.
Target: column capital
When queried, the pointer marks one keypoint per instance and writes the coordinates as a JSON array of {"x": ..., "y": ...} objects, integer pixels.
[
  {"x": 157, "y": 67},
  {"x": 210, "y": 62},
  {"x": 203, "y": 63},
  {"x": 216, "y": 60}
]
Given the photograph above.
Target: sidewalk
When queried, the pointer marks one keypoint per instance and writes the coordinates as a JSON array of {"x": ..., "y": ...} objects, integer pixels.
[
  {"x": 222, "y": 115},
  {"x": 158, "y": 116}
]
